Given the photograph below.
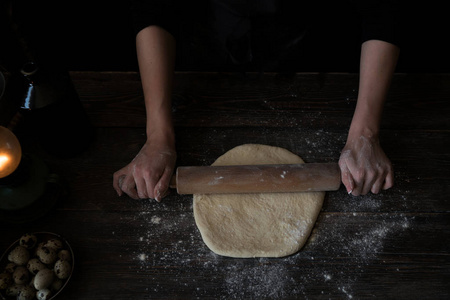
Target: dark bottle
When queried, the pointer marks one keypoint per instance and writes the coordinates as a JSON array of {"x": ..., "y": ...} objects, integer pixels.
[{"x": 54, "y": 112}]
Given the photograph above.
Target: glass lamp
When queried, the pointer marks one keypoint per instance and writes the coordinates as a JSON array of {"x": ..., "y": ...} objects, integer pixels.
[
  {"x": 10, "y": 152},
  {"x": 27, "y": 189}
]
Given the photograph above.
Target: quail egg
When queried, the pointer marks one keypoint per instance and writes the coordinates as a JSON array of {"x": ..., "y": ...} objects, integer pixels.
[
  {"x": 34, "y": 265},
  {"x": 21, "y": 275},
  {"x": 54, "y": 243},
  {"x": 28, "y": 241},
  {"x": 43, "y": 294},
  {"x": 19, "y": 256},
  {"x": 10, "y": 267},
  {"x": 64, "y": 255},
  {"x": 62, "y": 269},
  {"x": 5, "y": 280},
  {"x": 26, "y": 293},
  {"x": 13, "y": 290},
  {"x": 43, "y": 279},
  {"x": 47, "y": 255}
]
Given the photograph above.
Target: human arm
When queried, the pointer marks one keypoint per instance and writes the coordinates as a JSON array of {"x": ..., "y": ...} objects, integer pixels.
[
  {"x": 364, "y": 165},
  {"x": 148, "y": 174}
]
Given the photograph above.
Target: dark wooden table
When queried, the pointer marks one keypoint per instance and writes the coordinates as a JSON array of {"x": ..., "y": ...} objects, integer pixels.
[{"x": 394, "y": 245}]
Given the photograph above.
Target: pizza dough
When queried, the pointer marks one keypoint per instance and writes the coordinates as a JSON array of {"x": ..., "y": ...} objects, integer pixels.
[{"x": 256, "y": 225}]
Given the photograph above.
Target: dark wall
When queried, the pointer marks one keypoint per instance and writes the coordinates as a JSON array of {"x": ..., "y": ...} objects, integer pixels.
[
  {"x": 85, "y": 36},
  {"x": 76, "y": 34}
]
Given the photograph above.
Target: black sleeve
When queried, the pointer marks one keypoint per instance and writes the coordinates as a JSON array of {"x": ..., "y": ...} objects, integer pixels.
[
  {"x": 154, "y": 12},
  {"x": 380, "y": 20}
]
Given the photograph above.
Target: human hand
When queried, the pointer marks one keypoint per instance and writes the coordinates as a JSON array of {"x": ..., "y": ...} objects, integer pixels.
[
  {"x": 148, "y": 174},
  {"x": 365, "y": 167}
]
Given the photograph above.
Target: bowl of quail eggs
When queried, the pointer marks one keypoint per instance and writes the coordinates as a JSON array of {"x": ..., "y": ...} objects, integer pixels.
[{"x": 36, "y": 266}]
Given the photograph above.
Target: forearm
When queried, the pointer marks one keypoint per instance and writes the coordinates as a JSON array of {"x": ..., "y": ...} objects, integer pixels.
[
  {"x": 156, "y": 56},
  {"x": 378, "y": 61}
]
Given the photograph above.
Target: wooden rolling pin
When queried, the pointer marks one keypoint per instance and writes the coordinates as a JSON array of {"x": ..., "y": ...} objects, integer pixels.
[{"x": 257, "y": 178}]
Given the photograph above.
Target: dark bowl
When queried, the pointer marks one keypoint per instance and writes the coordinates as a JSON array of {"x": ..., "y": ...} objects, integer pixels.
[{"x": 41, "y": 237}]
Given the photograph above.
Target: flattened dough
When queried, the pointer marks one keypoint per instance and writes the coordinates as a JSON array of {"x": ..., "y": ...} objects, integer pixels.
[{"x": 257, "y": 225}]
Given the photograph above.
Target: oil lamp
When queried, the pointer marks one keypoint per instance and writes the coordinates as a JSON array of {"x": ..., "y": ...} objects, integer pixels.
[
  {"x": 10, "y": 152},
  {"x": 24, "y": 182}
]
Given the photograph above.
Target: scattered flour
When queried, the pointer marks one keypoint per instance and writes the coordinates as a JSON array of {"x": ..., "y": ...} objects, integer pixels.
[
  {"x": 155, "y": 220},
  {"x": 181, "y": 249},
  {"x": 262, "y": 281},
  {"x": 142, "y": 257}
]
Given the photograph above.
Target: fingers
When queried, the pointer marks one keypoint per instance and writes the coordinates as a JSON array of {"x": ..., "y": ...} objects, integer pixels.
[
  {"x": 151, "y": 182},
  {"x": 389, "y": 181},
  {"x": 358, "y": 185},
  {"x": 142, "y": 186},
  {"x": 360, "y": 182},
  {"x": 124, "y": 183},
  {"x": 137, "y": 187},
  {"x": 371, "y": 177},
  {"x": 346, "y": 178},
  {"x": 129, "y": 187},
  {"x": 117, "y": 182},
  {"x": 353, "y": 175},
  {"x": 376, "y": 187},
  {"x": 162, "y": 186}
]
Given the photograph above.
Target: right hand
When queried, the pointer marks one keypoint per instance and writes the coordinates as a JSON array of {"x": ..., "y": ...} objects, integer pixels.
[
  {"x": 365, "y": 167},
  {"x": 148, "y": 174}
]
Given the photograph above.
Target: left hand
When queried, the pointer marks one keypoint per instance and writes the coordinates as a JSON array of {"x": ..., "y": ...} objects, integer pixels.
[
  {"x": 365, "y": 167},
  {"x": 148, "y": 175}
]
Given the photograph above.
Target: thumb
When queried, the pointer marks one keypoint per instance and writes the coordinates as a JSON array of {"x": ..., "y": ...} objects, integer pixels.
[
  {"x": 162, "y": 185},
  {"x": 347, "y": 180}
]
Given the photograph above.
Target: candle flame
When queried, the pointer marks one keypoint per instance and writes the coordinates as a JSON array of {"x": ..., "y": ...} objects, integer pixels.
[
  {"x": 4, "y": 159},
  {"x": 10, "y": 152}
]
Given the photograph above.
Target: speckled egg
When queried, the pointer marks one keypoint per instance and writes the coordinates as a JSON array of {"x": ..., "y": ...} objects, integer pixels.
[
  {"x": 19, "y": 256},
  {"x": 5, "y": 280},
  {"x": 43, "y": 279},
  {"x": 13, "y": 290},
  {"x": 10, "y": 267},
  {"x": 43, "y": 294},
  {"x": 34, "y": 265},
  {"x": 62, "y": 269},
  {"x": 28, "y": 240},
  {"x": 26, "y": 293},
  {"x": 47, "y": 255},
  {"x": 21, "y": 275},
  {"x": 36, "y": 249},
  {"x": 64, "y": 255},
  {"x": 54, "y": 243}
]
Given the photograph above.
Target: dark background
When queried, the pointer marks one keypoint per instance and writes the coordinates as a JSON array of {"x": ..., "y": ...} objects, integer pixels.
[{"x": 99, "y": 37}]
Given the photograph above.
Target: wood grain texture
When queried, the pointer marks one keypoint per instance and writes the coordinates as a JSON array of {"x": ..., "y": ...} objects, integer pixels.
[
  {"x": 312, "y": 100},
  {"x": 394, "y": 245}
]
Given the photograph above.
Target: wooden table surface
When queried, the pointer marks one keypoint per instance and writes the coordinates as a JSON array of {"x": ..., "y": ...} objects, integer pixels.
[{"x": 394, "y": 245}]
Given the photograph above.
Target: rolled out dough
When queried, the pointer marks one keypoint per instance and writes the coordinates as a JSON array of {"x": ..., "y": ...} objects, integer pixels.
[{"x": 257, "y": 225}]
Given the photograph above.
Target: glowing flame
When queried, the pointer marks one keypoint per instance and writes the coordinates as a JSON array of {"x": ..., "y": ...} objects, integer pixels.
[
  {"x": 4, "y": 159},
  {"x": 10, "y": 152}
]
